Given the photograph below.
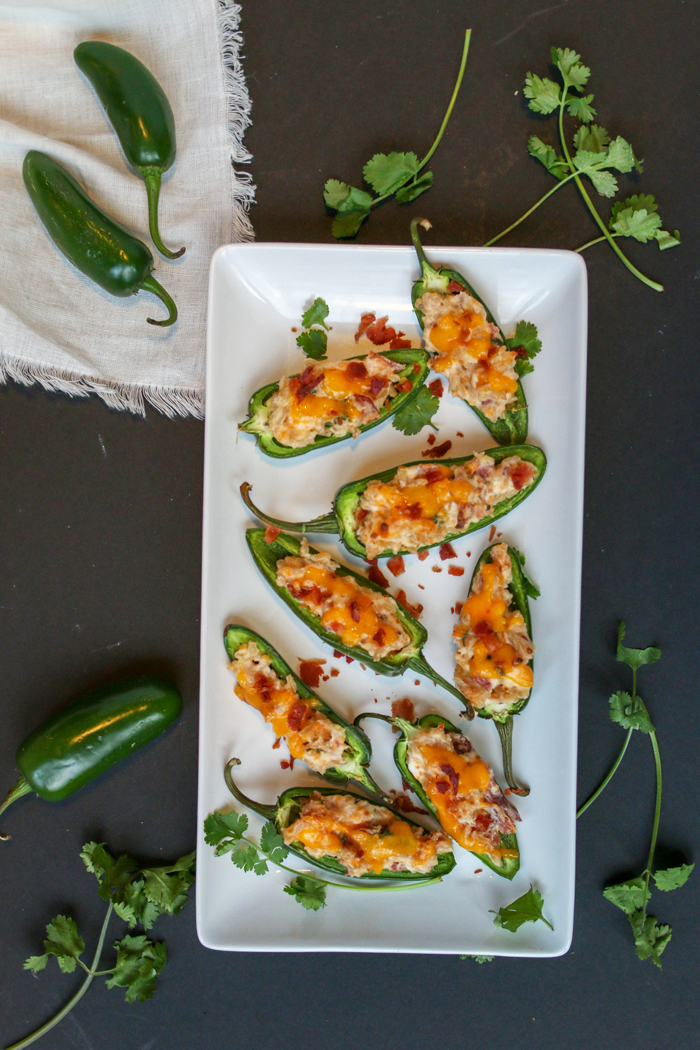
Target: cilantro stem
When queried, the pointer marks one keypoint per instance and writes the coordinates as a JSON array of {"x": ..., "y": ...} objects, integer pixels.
[
  {"x": 530, "y": 211},
  {"x": 596, "y": 240},
  {"x": 599, "y": 790},
  {"x": 592, "y": 208},
  {"x": 92, "y": 973},
  {"x": 657, "y": 812}
]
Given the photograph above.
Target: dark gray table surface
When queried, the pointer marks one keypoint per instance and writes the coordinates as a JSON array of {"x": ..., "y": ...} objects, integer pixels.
[{"x": 100, "y": 546}]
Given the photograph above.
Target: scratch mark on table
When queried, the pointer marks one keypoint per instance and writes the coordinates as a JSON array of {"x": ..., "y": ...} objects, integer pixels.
[
  {"x": 535, "y": 14},
  {"x": 102, "y": 445}
]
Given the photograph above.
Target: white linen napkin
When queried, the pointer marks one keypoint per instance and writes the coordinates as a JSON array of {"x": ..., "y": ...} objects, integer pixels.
[{"x": 58, "y": 328}]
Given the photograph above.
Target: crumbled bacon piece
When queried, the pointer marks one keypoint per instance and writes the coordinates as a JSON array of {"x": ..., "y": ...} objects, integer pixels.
[
  {"x": 376, "y": 575},
  {"x": 484, "y": 632},
  {"x": 376, "y": 385},
  {"x": 354, "y": 612},
  {"x": 378, "y": 333},
  {"x": 520, "y": 351},
  {"x": 400, "y": 343},
  {"x": 458, "y": 607},
  {"x": 455, "y": 570},
  {"x": 431, "y": 439},
  {"x": 453, "y": 776},
  {"x": 308, "y": 381},
  {"x": 310, "y": 672},
  {"x": 447, "y": 551},
  {"x": 285, "y": 764},
  {"x": 460, "y": 434},
  {"x": 492, "y": 533},
  {"x": 405, "y": 386},
  {"x": 298, "y": 715},
  {"x": 365, "y": 321},
  {"x": 334, "y": 672},
  {"x": 477, "y": 871},
  {"x": 349, "y": 659},
  {"x": 455, "y": 287},
  {"x": 405, "y": 805},
  {"x": 271, "y": 533},
  {"x": 422, "y": 555},
  {"x": 337, "y": 655},
  {"x": 356, "y": 370},
  {"x": 396, "y": 566},
  {"x": 412, "y": 610},
  {"x": 421, "y": 586},
  {"x": 521, "y": 474},
  {"x": 438, "y": 451},
  {"x": 295, "y": 329},
  {"x": 379, "y": 637},
  {"x": 436, "y": 568},
  {"x": 384, "y": 528},
  {"x": 435, "y": 387},
  {"x": 485, "y": 683},
  {"x": 442, "y": 786},
  {"x": 404, "y": 709},
  {"x": 276, "y": 743}
]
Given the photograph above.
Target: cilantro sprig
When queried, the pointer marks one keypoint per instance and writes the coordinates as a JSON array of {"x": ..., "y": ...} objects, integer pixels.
[
  {"x": 633, "y": 896},
  {"x": 226, "y": 833},
  {"x": 139, "y": 895},
  {"x": 527, "y": 908},
  {"x": 388, "y": 174},
  {"x": 417, "y": 413},
  {"x": 314, "y": 339},
  {"x": 528, "y": 344},
  {"x": 595, "y": 156}
]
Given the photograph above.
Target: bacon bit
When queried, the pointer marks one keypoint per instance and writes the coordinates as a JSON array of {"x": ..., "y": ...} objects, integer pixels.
[
  {"x": 422, "y": 555},
  {"x": 356, "y": 370},
  {"x": 354, "y": 612},
  {"x": 421, "y": 586},
  {"x": 271, "y": 533},
  {"x": 376, "y": 575},
  {"x": 307, "y": 381},
  {"x": 484, "y": 632},
  {"x": 492, "y": 533},
  {"x": 375, "y": 700},
  {"x": 477, "y": 871},
  {"x": 295, "y": 329},
  {"x": 326, "y": 677},
  {"x": 349, "y": 659},
  {"x": 458, "y": 608},
  {"x": 379, "y": 637},
  {"x": 460, "y": 434},
  {"x": 498, "y": 534},
  {"x": 469, "y": 554},
  {"x": 378, "y": 333},
  {"x": 334, "y": 672},
  {"x": 276, "y": 743},
  {"x": 399, "y": 343},
  {"x": 396, "y": 565},
  {"x": 447, "y": 551},
  {"x": 298, "y": 714},
  {"x": 521, "y": 474},
  {"x": 520, "y": 351},
  {"x": 310, "y": 672},
  {"x": 485, "y": 683},
  {"x": 452, "y": 610},
  {"x": 453, "y": 775},
  {"x": 285, "y": 764},
  {"x": 363, "y": 667},
  {"x": 455, "y": 570},
  {"x": 405, "y": 386},
  {"x": 417, "y": 681},
  {"x": 436, "y": 568},
  {"x": 436, "y": 387},
  {"x": 442, "y": 786},
  {"x": 376, "y": 385},
  {"x": 412, "y": 610},
  {"x": 439, "y": 450},
  {"x": 416, "y": 369},
  {"x": 405, "y": 805},
  {"x": 455, "y": 287},
  {"x": 431, "y": 439},
  {"x": 404, "y": 709},
  {"x": 365, "y": 321}
]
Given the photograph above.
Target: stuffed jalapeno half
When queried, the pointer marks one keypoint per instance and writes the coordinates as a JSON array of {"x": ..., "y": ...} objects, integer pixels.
[
  {"x": 314, "y": 732},
  {"x": 329, "y": 402},
  {"x": 345, "y": 833},
  {"x": 458, "y": 788},
  {"x": 419, "y": 505},
  {"x": 494, "y": 637},
  {"x": 345, "y": 609},
  {"x": 470, "y": 349}
]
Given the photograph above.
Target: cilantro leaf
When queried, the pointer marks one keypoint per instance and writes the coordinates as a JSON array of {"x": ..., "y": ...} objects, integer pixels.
[
  {"x": 544, "y": 153},
  {"x": 347, "y": 223},
  {"x": 478, "y": 958},
  {"x": 526, "y": 339},
  {"x": 64, "y": 942},
  {"x": 316, "y": 314},
  {"x": 630, "y": 219},
  {"x": 650, "y": 939},
  {"x": 136, "y": 908},
  {"x": 414, "y": 189},
  {"x": 417, "y": 413},
  {"x": 544, "y": 94},
  {"x": 527, "y": 908},
  {"x": 668, "y": 240},
  {"x": 167, "y": 888},
  {"x": 314, "y": 343},
  {"x": 594, "y": 139},
  {"x": 351, "y": 204},
  {"x": 634, "y": 658},
  {"x": 224, "y": 830},
  {"x": 569, "y": 64},
  {"x": 629, "y": 896},
  {"x": 620, "y": 155},
  {"x": 113, "y": 875},
  {"x": 307, "y": 892},
  {"x": 386, "y": 172},
  {"x": 673, "y": 878},
  {"x": 139, "y": 961},
  {"x": 247, "y": 858},
  {"x": 335, "y": 192},
  {"x": 630, "y": 714},
  {"x": 272, "y": 843},
  {"x": 581, "y": 108},
  {"x": 604, "y": 182}
]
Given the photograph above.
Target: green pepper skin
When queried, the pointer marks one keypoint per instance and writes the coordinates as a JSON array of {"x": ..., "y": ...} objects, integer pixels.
[
  {"x": 266, "y": 555},
  {"x": 286, "y": 810},
  {"x": 520, "y": 586},
  {"x": 97, "y": 245},
  {"x": 139, "y": 112},
  {"x": 356, "y": 765},
  {"x": 512, "y": 429},
  {"x": 510, "y": 864},
  {"x": 341, "y": 521},
  {"x": 258, "y": 411}
]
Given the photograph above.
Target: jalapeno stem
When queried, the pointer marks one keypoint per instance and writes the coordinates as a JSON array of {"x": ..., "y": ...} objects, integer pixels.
[
  {"x": 268, "y": 812},
  {"x": 505, "y": 732},
  {"x": 325, "y": 523},
  {"x": 421, "y": 665},
  {"x": 150, "y": 284},
  {"x": 19, "y": 788},
  {"x": 152, "y": 177}
]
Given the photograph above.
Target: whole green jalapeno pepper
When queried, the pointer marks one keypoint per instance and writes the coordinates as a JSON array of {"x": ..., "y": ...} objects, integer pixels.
[
  {"x": 89, "y": 736},
  {"x": 267, "y": 554},
  {"x": 411, "y": 377},
  {"x": 343, "y": 520},
  {"x": 139, "y": 112},
  {"x": 285, "y": 811},
  {"x": 511, "y": 429},
  {"x": 436, "y": 793},
  {"x": 358, "y": 751},
  {"x": 97, "y": 245}
]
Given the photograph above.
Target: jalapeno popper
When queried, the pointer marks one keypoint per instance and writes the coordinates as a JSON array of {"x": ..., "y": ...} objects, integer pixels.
[
  {"x": 345, "y": 609},
  {"x": 347, "y": 834},
  {"x": 470, "y": 348},
  {"x": 420, "y": 505},
  {"x": 330, "y": 402},
  {"x": 458, "y": 788},
  {"x": 495, "y": 651},
  {"x": 314, "y": 732}
]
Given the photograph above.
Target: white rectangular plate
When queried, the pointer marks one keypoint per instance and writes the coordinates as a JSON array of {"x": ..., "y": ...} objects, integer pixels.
[{"x": 257, "y": 294}]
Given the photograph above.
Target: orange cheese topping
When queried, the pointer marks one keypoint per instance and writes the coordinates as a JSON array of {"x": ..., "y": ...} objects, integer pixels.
[
  {"x": 351, "y": 614},
  {"x": 377, "y": 851},
  {"x": 452, "y": 336},
  {"x": 494, "y": 662},
  {"x": 425, "y": 500},
  {"x": 274, "y": 701}
]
